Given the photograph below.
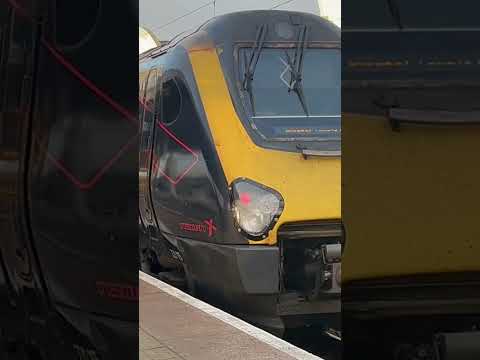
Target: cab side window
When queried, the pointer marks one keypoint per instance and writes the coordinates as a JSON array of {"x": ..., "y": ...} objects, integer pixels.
[
  {"x": 175, "y": 112},
  {"x": 171, "y": 102}
]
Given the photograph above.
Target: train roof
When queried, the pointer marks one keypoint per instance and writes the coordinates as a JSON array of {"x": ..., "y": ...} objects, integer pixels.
[{"x": 243, "y": 26}]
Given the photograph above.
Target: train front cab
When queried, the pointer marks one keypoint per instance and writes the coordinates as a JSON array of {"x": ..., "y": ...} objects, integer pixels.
[
  {"x": 245, "y": 193},
  {"x": 411, "y": 274}
]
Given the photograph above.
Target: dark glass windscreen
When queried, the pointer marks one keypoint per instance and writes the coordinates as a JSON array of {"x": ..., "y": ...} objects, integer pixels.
[{"x": 277, "y": 111}]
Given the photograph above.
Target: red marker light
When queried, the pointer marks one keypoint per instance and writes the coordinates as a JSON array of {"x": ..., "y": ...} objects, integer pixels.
[{"x": 245, "y": 198}]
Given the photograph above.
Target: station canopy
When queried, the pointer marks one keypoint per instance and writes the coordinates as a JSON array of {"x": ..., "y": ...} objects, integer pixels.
[{"x": 146, "y": 40}]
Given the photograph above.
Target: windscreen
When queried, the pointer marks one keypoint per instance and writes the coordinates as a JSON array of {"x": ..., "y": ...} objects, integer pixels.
[
  {"x": 407, "y": 40},
  {"x": 410, "y": 15},
  {"x": 283, "y": 106},
  {"x": 406, "y": 55}
]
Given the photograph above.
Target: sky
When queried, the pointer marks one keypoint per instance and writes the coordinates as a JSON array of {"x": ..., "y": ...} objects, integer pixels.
[{"x": 160, "y": 15}]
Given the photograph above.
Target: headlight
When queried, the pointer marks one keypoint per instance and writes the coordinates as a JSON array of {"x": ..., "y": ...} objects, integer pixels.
[{"x": 256, "y": 208}]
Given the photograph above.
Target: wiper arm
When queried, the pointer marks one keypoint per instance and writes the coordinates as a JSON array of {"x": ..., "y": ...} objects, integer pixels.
[
  {"x": 247, "y": 83},
  {"x": 393, "y": 7},
  {"x": 296, "y": 68},
  {"x": 302, "y": 43},
  {"x": 306, "y": 152},
  {"x": 252, "y": 63}
]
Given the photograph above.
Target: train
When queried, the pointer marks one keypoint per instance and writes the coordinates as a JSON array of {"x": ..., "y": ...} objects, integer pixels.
[
  {"x": 68, "y": 181},
  {"x": 411, "y": 130},
  {"x": 239, "y": 172}
]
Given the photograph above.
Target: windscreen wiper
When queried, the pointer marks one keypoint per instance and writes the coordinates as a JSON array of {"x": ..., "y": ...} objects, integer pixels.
[
  {"x": 306, "y": 152},
  {"x": 393, "y": 7},
  {"x": 296, "y": 68},
  {"x": 251, "y": 64}
]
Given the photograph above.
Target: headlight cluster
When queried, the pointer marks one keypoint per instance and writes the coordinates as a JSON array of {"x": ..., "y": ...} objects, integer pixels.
[{"x": 256, "y": 208}]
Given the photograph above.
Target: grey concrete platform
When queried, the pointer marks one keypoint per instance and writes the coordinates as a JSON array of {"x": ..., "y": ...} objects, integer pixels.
[{"x": 174, "y": 325}]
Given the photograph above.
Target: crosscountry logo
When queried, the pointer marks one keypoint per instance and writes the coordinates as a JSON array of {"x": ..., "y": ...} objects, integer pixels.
[{"x": 206, "y": 227}]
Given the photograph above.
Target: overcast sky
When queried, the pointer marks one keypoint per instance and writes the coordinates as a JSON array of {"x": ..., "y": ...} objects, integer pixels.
[{"x": 160, "y": 15}]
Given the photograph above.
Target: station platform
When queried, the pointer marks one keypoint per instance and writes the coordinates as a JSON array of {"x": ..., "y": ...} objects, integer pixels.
[{"x": 177, "y": 326}]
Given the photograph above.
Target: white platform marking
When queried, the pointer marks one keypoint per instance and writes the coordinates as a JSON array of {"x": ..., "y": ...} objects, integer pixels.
[{"x": 231, "y": 320}]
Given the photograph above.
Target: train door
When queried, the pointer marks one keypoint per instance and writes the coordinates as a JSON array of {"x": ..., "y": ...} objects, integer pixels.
[
  {"x": 183, "y": 194},
  {"x": 18, "y": 41},
  {"x": 143, "y": 238},
  {"x": 8, "y": 163},
  {"x": 17, "y": 63},
  {"x": 147, "y": 122}
]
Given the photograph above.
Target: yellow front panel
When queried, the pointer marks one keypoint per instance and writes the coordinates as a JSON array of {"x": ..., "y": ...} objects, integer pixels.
[
  {"x": 310, "y": 188},
  {"x": 411, "y": 199}
]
